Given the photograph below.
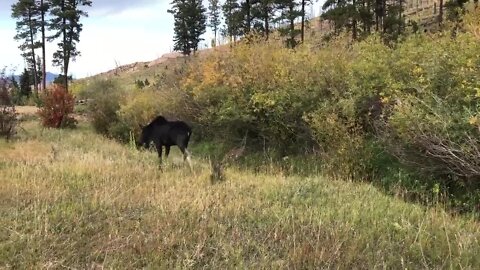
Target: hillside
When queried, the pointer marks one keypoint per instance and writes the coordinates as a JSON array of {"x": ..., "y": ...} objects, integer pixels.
[
  {"x": 65, "y": 203},
  {"x": 424, "y": 12},
  {"x": 165, "y": 67}
]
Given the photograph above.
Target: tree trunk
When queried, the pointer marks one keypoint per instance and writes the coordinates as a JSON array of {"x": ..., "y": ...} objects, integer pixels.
[
  {"x": 369, "y": 23},
  {"x": 248, "y": 16},
  {"x": 32, "y": 43},
  {"x": 292, "y": 27},
  {"x": 440, "y": 13},
  {"x": 65, "y": 53},
  {"x": 400, "y": 14},
  {"x": 44, "y": 70},
  {"x": 303, "y": 21},
  {"x": 267, "y": 26},
  {"x": 364, "y": 26},
  {"x": 354, "y": 21},
  {"x": 384, "y": 14},
  {"x": 215, "y": 36}
]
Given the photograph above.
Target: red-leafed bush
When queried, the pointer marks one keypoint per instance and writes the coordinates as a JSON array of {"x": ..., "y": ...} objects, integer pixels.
[{"x": 57, "y": 109}]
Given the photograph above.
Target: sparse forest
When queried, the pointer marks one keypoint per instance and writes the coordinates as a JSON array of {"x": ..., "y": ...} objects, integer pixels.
[{"x": 346, "y": 141}]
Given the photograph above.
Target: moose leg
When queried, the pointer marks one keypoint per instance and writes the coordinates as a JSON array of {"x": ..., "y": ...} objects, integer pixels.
[
  {"x": 167, "y": 150},
  {"x": 159, "y": 151},
  {"x": 186, "y": 156}
]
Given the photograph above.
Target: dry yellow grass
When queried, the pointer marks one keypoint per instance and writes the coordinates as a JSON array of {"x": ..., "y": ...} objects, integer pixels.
[
  {"x": 72, "y": 199},
  {"x": 26, "y": 110}
]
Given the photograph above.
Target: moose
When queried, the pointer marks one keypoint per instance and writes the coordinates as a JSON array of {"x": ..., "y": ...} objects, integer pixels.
[{"x": 167, "y": 133}]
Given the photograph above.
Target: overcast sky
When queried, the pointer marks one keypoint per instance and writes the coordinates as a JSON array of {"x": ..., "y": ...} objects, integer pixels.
[{"x": 116, "y": 31}]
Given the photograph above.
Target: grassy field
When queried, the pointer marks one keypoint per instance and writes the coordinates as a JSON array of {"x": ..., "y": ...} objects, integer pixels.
[{"x": 72, "y": 199}]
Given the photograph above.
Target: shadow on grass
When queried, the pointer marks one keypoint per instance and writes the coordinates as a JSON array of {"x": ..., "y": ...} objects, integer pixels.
[{"x": 385, "y": 173}]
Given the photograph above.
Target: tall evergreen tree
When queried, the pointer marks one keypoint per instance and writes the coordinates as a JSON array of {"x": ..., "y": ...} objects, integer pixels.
[
  {"x": 197, "y": 22},
  {"x": 233, "y": 19},
  {"x": 288, "y": 14},
  {"x": 365, "y": 16},
  {"x": 25, "y": 85},
  {"x": 65, "y": 23},
  {"x": 181, "y": 37},
  {"x": 247, "y": 14},
  {"x": 263, "y": 11},
  {"x": 39, "y": 70},
  {"x": 189, "y": 24},
  {"x": 359, "y": 16},
  {"x": 340, "y": 13},
  {"x": 26, "y": 13},
  {"x": 14, "y": 82},
  {"x": 394, "y": 22},
  {"x": 214, "y": 17}
]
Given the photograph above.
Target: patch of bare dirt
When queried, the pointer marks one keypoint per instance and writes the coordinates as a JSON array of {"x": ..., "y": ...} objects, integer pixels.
[{"x": 26, "y": 110}]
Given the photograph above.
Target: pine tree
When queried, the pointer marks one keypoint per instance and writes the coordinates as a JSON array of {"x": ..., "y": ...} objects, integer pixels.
[
  {"x": 39, "y": 70},
  {"x": 189, "y": 25},
  {"x": 214, "y": 17},
  {"x": 339, "y": 12},
  {"x": 25, "y": 87},
  {"x": 60, "y": 79},
  {"x": 359, "y": 16},
  {"x": 65, "y": 23},
  {"x": 394, "y": 23},
  {"x": 181, "y": 37},
  {"x": 288, "y": 15},
  {"x": 26, "y": 13},
  {"x": 263, "y": 11},
  {"x": 197, "y": 22},
  {"x": 233, "y": 19},
  {"x": 247, "y": 15}
]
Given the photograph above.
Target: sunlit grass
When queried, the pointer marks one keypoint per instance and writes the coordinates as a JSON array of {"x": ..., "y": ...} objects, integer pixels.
[{"x": 70, "y": 198}]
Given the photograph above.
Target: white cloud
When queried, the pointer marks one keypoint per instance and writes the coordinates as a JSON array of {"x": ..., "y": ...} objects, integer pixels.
[
  {"x": 138, "y": 34},
  {"x": 103, "y": 47},
  {"x": 123, "y": 35}
]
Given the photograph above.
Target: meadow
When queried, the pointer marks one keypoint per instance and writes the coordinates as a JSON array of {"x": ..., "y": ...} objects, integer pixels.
[
  {"x": 358, "y": 156},
  {"x": 73, "y": 199}
]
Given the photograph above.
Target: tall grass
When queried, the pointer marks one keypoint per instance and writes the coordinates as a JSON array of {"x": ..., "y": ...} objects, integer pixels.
[{"x": 70, "y": 198}]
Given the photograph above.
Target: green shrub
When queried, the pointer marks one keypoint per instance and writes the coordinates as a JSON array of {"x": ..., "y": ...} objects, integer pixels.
[
  {"x": 265, "y": 90},
  {"x": 435, "y": 118},
  {"x": 104, "y": 102},
  {"x": 370, "y": 111}
]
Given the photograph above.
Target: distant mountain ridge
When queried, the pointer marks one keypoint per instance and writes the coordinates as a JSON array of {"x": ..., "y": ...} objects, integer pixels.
[{"x": 50, "y": 77}]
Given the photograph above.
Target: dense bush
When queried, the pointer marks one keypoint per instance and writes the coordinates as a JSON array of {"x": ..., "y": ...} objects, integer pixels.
[
  {"x": 104, "y": 102},
  {"x": 57, "y": 108},
  {"x": 118, "y": 114},
  {"x": 266, "y": 89},
  {"x": 366, "y": 109}
]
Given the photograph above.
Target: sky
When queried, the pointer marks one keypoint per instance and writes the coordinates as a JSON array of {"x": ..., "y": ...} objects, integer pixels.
[{"x": 116, "y": 32}]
